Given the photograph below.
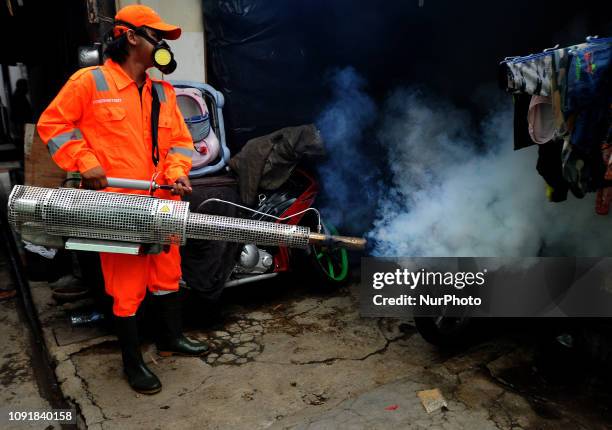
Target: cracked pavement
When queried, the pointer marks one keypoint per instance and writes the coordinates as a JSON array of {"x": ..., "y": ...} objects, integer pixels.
[{"x": 297, "y": 358}]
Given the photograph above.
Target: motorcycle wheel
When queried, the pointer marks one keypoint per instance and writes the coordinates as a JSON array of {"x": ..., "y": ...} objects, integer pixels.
[{"x": 327, "y": 265}]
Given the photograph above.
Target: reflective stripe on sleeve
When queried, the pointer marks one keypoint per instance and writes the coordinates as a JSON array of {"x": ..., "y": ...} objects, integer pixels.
[
  {"x": 56, "y": 142},
  {"x": 181, "y": 150},
  {"x": 101, "y": 84}
]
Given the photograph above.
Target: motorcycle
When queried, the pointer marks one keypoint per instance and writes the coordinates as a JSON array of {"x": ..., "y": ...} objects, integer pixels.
[{"x": 291, "y": 204}]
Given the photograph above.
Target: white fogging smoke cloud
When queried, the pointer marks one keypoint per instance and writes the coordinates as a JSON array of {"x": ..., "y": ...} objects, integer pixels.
[
  {"x": 459, "y": 193},
  {"x": 455, "y": 189},
  {"x": 350, "y": 186}
]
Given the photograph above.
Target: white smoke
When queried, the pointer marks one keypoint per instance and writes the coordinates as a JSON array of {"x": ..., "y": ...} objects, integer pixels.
[
  {"x": 462, "y": 192},
  {"x": 350, "y": 182},
  {"x": 456, "y": 189}
]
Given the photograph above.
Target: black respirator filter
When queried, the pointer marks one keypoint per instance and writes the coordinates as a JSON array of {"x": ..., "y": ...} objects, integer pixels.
[{"x": 163, "y": 57}]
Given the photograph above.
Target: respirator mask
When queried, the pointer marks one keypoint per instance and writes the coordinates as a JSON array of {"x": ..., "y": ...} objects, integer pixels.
[{"x": 163, "y": 57}]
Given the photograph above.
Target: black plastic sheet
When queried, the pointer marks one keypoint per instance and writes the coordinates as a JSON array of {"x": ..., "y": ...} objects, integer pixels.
[{"x": 271, "y": 58}]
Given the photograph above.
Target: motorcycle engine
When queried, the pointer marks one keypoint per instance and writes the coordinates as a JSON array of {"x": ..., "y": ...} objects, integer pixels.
[{"x": 253, "y": 260}]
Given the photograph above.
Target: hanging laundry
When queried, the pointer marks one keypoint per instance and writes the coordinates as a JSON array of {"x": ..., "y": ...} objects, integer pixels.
[
  {"x": 589, "y": 94},
  {"x": 583, "y": 171},
  {"x": 527, "y": 75},
  {"x": 578, "y": 80},
  {"x": 608, "y": 141},
  {"x": 541, "y": 120},
  {"x": 558, "y": 88},
  {"x": 541, "y": 130},
  {"x": 521, "y": 126},
  {"x": 549, "y": 167},
  {"x": 604, "y": 194}
]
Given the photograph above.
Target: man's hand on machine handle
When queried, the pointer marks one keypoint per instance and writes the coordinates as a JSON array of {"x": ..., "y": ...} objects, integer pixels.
[
  {"x": 182, "y": 186},
  {"x": 94, "y": 179}
]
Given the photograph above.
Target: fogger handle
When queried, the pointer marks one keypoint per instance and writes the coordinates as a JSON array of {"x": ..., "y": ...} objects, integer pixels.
[{"x": 136, "y": 184}]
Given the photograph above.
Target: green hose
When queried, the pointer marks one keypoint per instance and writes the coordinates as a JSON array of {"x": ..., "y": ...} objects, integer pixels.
[{"x": 325, "y": 259}]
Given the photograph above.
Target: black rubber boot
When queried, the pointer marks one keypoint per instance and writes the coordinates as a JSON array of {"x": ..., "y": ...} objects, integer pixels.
[
  {"x": 140, "y": 378},
  {"x": 170, "y": 339}
]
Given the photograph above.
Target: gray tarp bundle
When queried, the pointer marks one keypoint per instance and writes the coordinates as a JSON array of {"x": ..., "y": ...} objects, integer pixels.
[{"x": 267, "y": 162}]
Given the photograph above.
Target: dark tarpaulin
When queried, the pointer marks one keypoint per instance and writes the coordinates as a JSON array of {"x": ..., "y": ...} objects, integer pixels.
[
  {"x": 271, "y": 57},
  {"x": 257, "y": 59}
]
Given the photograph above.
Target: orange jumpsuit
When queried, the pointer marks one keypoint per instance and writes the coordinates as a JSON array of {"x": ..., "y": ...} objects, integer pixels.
[{"x": 100, "y": 118}]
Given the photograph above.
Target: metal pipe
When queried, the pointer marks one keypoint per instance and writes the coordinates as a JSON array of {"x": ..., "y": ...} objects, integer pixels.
[
  {"x": 250, "y": 279},
  {"x": 354, "y": 243},
  {"x": 136, "y": 184}
]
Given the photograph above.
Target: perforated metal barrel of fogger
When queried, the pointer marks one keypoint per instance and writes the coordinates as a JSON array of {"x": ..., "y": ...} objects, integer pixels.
[{"x": 137, "y": 218}]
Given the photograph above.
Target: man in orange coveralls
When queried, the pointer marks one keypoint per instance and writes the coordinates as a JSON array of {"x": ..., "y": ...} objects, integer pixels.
[{"x": 100, "y": 125}]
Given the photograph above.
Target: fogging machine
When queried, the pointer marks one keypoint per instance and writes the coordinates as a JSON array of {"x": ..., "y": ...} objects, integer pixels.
[{"x": 134, "y": 224}]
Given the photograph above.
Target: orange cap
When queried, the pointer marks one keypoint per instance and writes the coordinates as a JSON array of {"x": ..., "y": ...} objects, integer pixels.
[{"x": 139, "y": 15}]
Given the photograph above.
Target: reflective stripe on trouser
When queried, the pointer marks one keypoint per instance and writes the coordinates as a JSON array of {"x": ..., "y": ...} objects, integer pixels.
[{"x": 127, "y": 277}]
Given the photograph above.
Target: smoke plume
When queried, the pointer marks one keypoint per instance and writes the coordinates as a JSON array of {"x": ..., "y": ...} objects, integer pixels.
[
  {"x": 350, "y": 179},
  {"x": 454, "y": 188}
]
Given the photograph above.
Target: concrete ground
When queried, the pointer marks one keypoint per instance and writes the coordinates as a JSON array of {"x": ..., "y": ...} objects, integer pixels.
[
  {"x": 21, "y": 390},
  {"x": 291, "y": 357}
]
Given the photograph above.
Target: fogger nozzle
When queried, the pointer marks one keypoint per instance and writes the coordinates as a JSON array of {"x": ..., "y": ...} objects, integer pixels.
[{"x": 70, "y": 212}]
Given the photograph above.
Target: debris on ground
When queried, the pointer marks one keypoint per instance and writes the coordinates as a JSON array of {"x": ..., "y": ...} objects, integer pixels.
[{"x": 432, "y": 400}]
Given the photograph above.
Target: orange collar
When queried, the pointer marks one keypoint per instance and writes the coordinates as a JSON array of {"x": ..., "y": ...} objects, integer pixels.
[{"x": 121, "y": 78}]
